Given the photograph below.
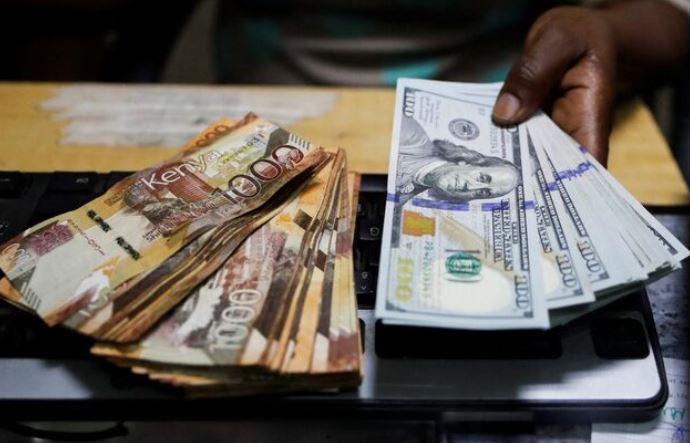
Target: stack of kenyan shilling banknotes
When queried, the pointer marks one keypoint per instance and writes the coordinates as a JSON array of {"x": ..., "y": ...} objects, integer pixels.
[
  {"x": 226, "y": 269},
  {"x": 504, "y": 228}
]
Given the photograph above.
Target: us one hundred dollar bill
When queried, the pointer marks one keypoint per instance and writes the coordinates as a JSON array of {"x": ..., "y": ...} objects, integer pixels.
[
  {"x": 479, "y": 216},
  {"x": 459, "y": 244}
]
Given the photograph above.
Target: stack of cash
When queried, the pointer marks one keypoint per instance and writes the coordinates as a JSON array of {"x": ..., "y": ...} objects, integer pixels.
[
  {"x": 490, "y": 228},
  {"x": 226, "y": 269}
]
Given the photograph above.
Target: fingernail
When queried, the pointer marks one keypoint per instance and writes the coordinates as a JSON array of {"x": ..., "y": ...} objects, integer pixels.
[{"x": 506, "y": 108}]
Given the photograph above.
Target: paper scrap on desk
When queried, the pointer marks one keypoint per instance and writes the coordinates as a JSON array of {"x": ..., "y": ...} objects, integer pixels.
[
  {"x": 668, "y": 297},
  {"x": 168, "y": 116},
  {"x": 672, "y": 425}
]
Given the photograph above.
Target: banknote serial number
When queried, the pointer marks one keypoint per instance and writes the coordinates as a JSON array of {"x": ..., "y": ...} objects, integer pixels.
[
  {"x": 121, "y": 242},
  {"x": 98, "y": 220},
  {"x": 90, "y": 241}
]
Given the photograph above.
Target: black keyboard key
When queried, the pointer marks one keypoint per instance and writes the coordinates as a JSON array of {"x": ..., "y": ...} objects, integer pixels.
[
  {"x": 38, "y": 217},
  {"x": 11, "y": 184},
  {"x": 373, "y": 254},
  {"x": 365, "y": 282},
  {"x": 52, "y": 204},
  {"x": 4, "y": 226},
  {"x": 369, "y": 230},
  {"x": 378, "y": 201},
  {"x": 366, "y": 255},
  {"x": 359, "y": 259},
  {"x": 366, "y": 301},
  {"x": 619, "y": 338},
  {"x": 15, "y": 215},
  {"x": 362, "y": 330},
  {"x": 115, "y": 177},
  {"x": 370, "y": 214},
  {"x": 25, "y": 336},
  {"x": 365, "y": 279},
  {"x": 394, "y": 341},
  {"x": 374, "y": 184},
  {"x": 6, "y": 230},
  {"x": 77, "y": 182},
  {"x": 364, "y": 207}
]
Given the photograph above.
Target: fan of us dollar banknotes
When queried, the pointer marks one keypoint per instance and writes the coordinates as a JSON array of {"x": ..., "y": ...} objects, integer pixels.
[
  {"x": 504, "y": 228},
  {"x": 226, "y": 269}
]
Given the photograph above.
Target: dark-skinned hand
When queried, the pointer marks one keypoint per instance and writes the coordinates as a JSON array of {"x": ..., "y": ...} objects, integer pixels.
[
  {"x": 568, "y": 67},
  {"x": 575, "y": 60}
]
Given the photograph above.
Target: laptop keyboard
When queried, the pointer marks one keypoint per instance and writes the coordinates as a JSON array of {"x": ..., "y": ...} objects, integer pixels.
[
  {"x": 28, "y": 198},
  {"x": 367, "y": 247}
]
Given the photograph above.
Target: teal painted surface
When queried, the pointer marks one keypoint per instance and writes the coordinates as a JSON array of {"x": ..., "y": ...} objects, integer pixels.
[
  {"x": 497, "y": 74},
  {"x": 263, "y": 35},
  {"x": 421, "y": 69},
  {"x": 345, "y": 26},
  {"x": 505, "y": 16}
]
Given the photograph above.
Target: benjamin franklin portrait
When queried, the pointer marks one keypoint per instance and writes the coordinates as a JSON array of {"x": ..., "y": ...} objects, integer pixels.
[{"x": 448, "y": 171}]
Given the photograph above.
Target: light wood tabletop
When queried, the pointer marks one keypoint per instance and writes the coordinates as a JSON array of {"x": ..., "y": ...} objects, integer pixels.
[{"x": 360, "y": 121}]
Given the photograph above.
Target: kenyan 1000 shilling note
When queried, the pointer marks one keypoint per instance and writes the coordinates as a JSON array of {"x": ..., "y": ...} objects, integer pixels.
[
  {"x": 75, "y": 261},
  {"x": 229, "y": 315},
  {"x": 215, "y": 342}
]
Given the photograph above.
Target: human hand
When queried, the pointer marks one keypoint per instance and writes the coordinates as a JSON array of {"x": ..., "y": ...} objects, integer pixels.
[{"x": 568, "y": 67}]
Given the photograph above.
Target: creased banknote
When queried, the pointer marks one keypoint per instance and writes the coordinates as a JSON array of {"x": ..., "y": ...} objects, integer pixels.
[{"x": 68, "y": 262}]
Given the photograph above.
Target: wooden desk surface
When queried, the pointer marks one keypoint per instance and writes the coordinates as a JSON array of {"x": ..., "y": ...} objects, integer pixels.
[{"x": 360, "y": 121}]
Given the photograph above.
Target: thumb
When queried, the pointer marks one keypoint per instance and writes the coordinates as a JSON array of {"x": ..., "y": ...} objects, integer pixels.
[{"x": 547, "y": 55}]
